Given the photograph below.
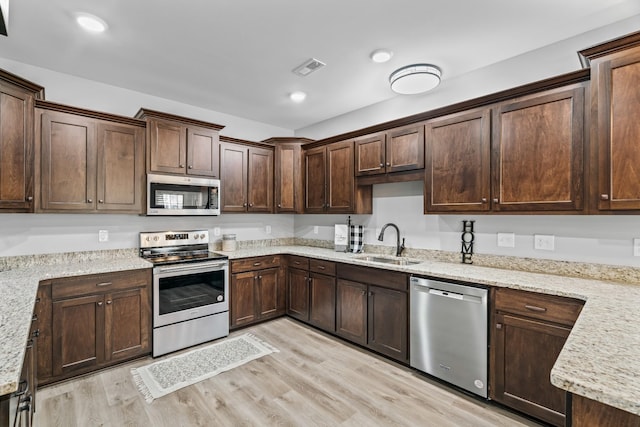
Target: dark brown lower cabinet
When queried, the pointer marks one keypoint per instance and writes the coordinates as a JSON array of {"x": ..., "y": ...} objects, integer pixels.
[
  {"x": 298, "y": 294},
  {"x": 589, "y": 413},
  {"x": 529, "y": 331},
  {"x": 322, "y": 307},
  {"x": 95, "y": 321},
  {"x": 372, "y": 309},
  {"x": 256, "y": 290}
]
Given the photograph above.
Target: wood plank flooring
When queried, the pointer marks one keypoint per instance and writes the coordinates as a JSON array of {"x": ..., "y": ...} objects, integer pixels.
[{"x": 315, "y": 380}]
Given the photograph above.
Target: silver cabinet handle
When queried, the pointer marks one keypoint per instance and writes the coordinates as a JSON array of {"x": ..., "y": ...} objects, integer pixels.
[
  {"x": 104, "y": 284},
  {"x": 388, "y": 164},
  {"x": 30, "y": 199},
  {"x": 181, "y": 165},
  {"x": 381, "y": 165},
  {"x": 89, "y": 200},
  {"x": 484, "y": 200},
  {"x": 109, "y": 302},
  {"x": 496, "y": 201},
  {"x": 99, "y": 303},
  {"x": 100, "y": 201},
  {"x": 604, "y": 197},
  {"x": 190, "y": 167}
]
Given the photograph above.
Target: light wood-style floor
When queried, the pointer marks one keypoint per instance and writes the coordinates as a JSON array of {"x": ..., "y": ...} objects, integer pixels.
[{"x": 315, "y": 380}]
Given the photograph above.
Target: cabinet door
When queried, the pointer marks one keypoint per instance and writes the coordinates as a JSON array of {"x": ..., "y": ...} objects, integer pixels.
[
  {"x": 78, "y": 334},
  {"x": 120, "y": 173},
  {"x": 525, "y": 351},
  {"x": 388, "y": 322},
  {"x": 315, "y": 179},
  {"x": 340, "y": 178},
  {"x": 405, "y": 149},
  {"x": 202, "y": 152},
  {"x": 322, "y": 310},
  {"x": 260, "y": 180},
  {"x": 269, "y": 293},
  {"x": 298, "y": 294},
  {"x": 288, "y": 179},
  {"x": 370, "y": 152},
  {"x": 68, "y": 162},
  {"x": 351, "y": 311},
  {"x": 43, "y": 315},
  {"x": 167, "y": 147},
  {"x": 127, "y": 324},
  {"x": 538, "y": 152},
  {"x": 457, "y": 172},
  {"x": 16, "y": 149},
  {"x": 616, "y": 92},
  {"x": 233, "y": 177},
  {"x": 243, "y": 298}
]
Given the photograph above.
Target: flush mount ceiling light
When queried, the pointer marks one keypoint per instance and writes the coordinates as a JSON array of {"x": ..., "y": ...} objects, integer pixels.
[
  {"x": 416, "y": 78},
  {"x": 381, "y": 55},
  {"x": 297, "y": 96},
  {"x": 91, "y": 23}
]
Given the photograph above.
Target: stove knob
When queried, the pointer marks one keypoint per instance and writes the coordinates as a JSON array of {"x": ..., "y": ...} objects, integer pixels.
[
  {"x": 156, "y": 238},
  {"x": 202, "y": 236},
  {"x": 196, "y": 236},
  {"x": 148, "y": 238}
]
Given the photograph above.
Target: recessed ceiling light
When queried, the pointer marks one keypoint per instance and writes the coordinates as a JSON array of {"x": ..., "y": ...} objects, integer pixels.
[
  {"x": 381, "y": 55},
  {"x": 297, "y": 96},
  {"x": 91, "y": 23},
  {"x": 416, "y": 78}
]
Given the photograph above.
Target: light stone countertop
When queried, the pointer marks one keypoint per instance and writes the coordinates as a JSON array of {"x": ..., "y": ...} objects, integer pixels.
[
  {"x": 600, "y": 360},
  {"x": 18, "y": 288}
]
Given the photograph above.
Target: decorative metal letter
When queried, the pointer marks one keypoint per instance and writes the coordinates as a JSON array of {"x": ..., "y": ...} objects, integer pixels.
[{"x": 467, "y": 241}]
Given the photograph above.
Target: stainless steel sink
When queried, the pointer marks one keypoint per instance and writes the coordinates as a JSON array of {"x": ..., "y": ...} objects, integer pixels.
[{"x": 388, "y": 260}]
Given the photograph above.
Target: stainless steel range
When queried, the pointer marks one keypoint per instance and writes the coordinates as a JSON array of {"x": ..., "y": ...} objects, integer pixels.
[{"x": 190, "y": 289}]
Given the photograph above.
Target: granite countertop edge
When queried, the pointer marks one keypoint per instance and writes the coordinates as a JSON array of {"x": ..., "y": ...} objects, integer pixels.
[{"x": 597, "y": 361}]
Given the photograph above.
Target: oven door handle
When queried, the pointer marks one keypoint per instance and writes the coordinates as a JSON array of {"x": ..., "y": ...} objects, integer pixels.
[{"x": 190, "y": 268}]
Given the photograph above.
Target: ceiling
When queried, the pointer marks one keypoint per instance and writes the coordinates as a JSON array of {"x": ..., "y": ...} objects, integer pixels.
[{"x": 236, "y": 56}]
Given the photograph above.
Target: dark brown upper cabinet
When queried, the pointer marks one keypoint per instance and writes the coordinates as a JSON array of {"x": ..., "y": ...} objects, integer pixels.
[
  {"x": 90, "y": 161},
  {"x": 246, "y": 177},
  {"x": 615, "y": 129},
  {"x": 396, "y": 150},
  {"x": 17, "y": 142},
  {"x": 538, "y": 152},
  {"x": 330, "y": 182},
  {"x": 288, "y": 189},
  {"x": 181, "y": 146},
  {"x": 457, "y": 162}
]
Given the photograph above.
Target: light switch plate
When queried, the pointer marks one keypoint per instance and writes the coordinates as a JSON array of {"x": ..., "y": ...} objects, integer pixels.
[
  {"x": 636, "y": 247},
  {"x": 103, "y": 235},
  {"x": 216, "y": 231},
  {"x": 315, "y": 229},
  {"x": 544, "y": 242},
  {"x": 267, "y": 229},
  {"x": 507, "y": 240}
]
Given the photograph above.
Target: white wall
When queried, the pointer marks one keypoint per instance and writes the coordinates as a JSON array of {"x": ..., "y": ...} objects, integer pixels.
[
  {"x": 25, "y": 234},
  {"x": 600, "y": 239},
  {"x": 539, "y": 64},
  {"x": 79, "y": 92}
]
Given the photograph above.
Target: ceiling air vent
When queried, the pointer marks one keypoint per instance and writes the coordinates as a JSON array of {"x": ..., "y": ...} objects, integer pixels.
[{"x": 308, "y": 67}]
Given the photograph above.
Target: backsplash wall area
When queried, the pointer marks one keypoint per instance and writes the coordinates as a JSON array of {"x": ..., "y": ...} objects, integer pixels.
[
  {"x": 27, "y": 234},
  {"x": 602, "y": 239}
]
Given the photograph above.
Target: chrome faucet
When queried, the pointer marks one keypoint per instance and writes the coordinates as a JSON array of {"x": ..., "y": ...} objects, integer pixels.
[{"x": 399, "y": 247}]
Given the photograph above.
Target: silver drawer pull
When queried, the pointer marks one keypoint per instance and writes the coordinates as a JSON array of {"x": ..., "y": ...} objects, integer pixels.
[
  {"x": 255, "y": 264},
  {"x": 321, "y": 267},
  {"x": 534, "y": 308},
  {"x": 104, "y": 284}
]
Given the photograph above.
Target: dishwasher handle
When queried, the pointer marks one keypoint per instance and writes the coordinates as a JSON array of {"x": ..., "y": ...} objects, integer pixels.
[{"x": 446, "y": 294}]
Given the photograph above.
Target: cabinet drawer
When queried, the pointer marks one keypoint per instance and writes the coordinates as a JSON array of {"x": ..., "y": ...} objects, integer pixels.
[
  {"x": 539, "y": 306},
  {"x": 98, "y": 283},
  {"x": 373, "y": 276},
  {"x": 298, "y": 262},
  {"x": 321, "y": 266},
  {"x": 257, "y": 263}
]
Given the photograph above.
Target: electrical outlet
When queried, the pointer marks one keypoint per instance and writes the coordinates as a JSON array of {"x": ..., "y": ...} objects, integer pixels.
[
  {"x": 216, "y": 231},
  {"x": 507, "y": 240},
  {"x": 544, "y": 242},
  {"x": 636, "y": 247},
  {"x": 315, "y": 229},
  {"x": 267, "y": 229},
  {"x": 103, "y": 235}
]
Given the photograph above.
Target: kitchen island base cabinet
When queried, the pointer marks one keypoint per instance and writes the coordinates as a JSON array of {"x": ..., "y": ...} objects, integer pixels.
[
  {"x": 529, "y": 331},
  {"x": 372, "y": 309},
  {"x": 96, "y": 321}
]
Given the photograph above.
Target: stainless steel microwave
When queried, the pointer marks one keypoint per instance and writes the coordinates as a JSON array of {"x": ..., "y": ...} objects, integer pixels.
[{"x": 182, "y": 195}]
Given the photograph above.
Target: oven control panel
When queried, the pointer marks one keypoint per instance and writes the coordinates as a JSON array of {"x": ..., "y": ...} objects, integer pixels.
[{"x": 173, "y": 238}]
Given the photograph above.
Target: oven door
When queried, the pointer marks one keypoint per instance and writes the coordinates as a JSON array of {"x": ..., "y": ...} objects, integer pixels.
[{"x": 189, "y": 291}]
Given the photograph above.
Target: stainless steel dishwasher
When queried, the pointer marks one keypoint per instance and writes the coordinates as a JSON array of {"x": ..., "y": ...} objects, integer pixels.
[{"x": 449, "y": 332}]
